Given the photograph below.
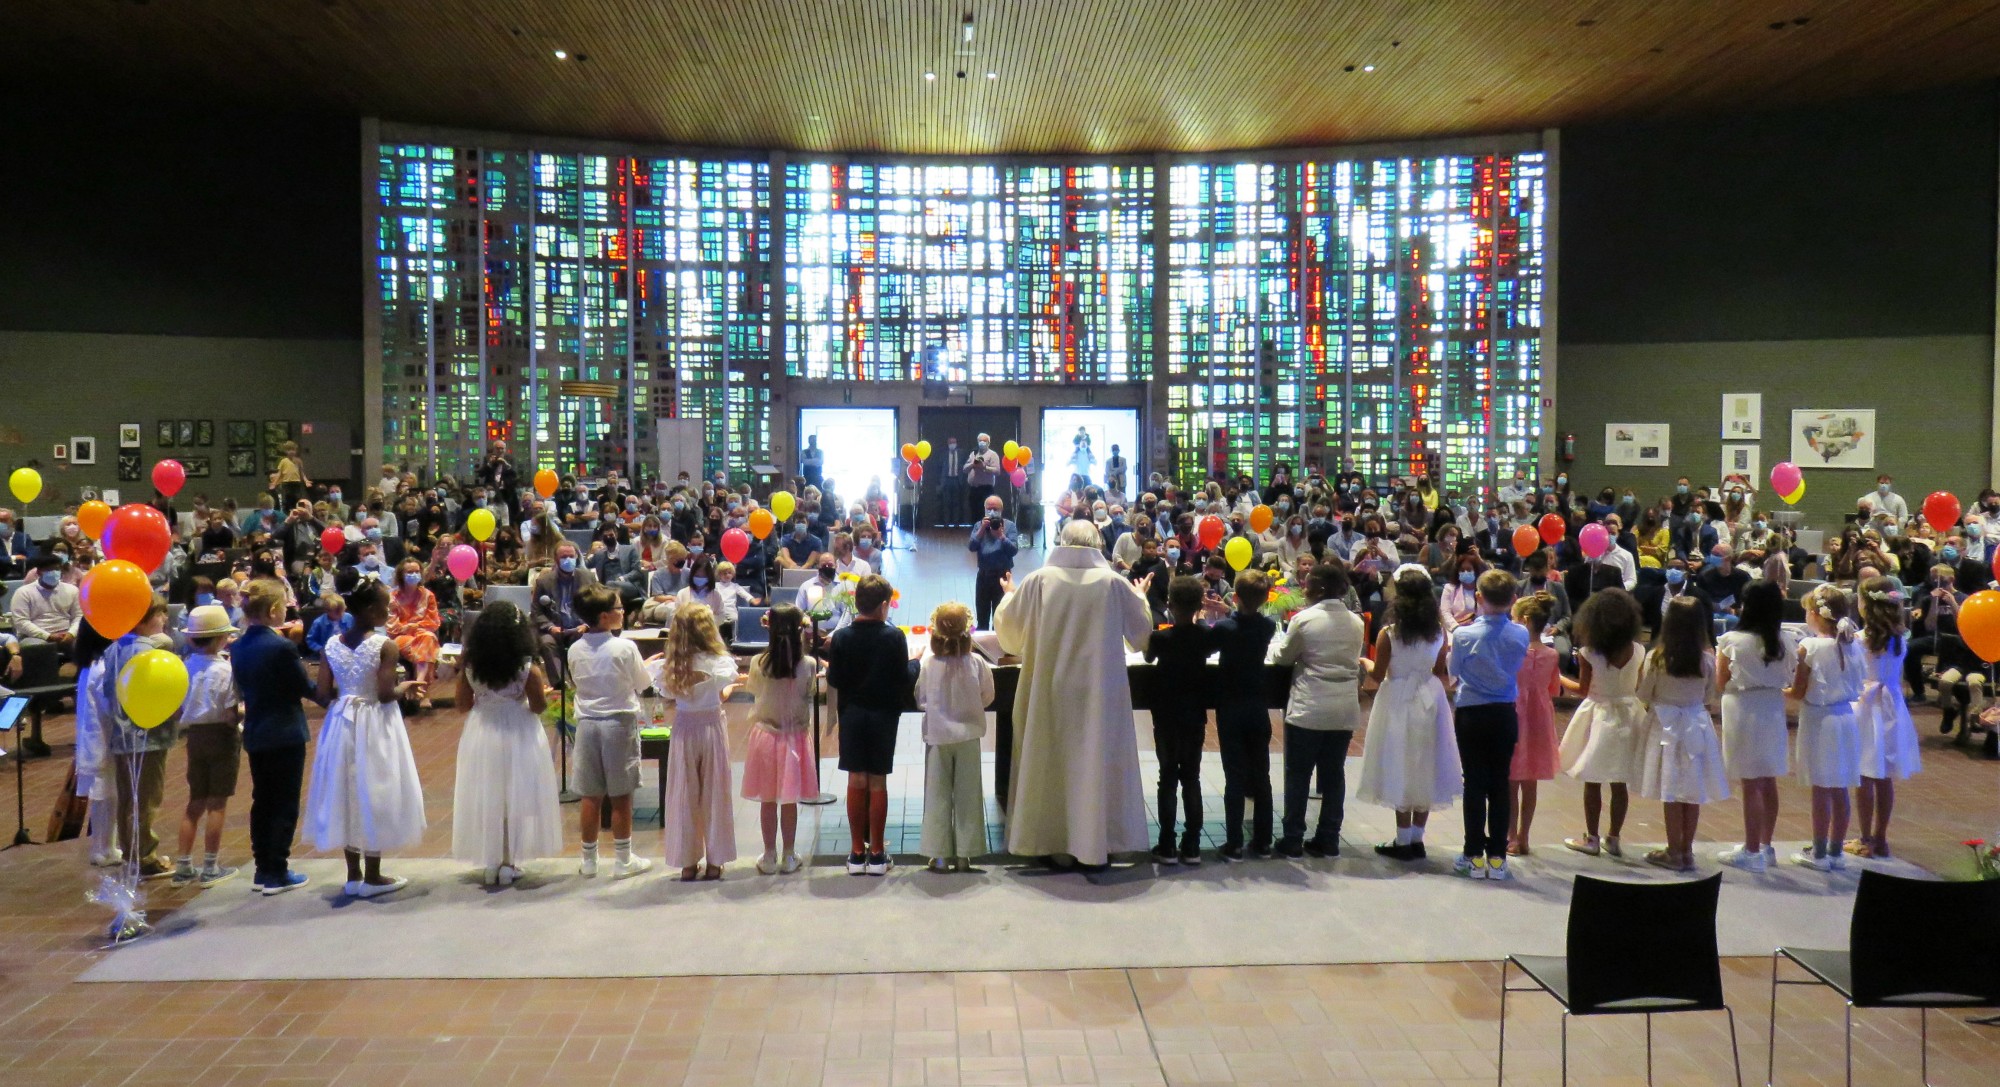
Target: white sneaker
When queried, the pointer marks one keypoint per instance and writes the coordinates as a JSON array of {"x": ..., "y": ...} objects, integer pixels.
[
  {"x": 490, "y": 877},
  {"x": 110, "y": 858},
  {"x": 588, "y": 868},
  {"x": 1742, "y": 858},
  {"x": 365, "y": 889},
  {"x": 768, "y": 864},
  {"x": 632, "y": 867},
  {"x": 1805, "y": 859},
  {"x": 508, "y": 874},
  {"x": 1836, "y": 862},
  {"x": 1469, "y": 867},
  {"x": 1770, "y": 854},
  {"x": 879, "y": 864},
  {"x": 1496, "y": 869},
  {"x": 790, "y": 864}
]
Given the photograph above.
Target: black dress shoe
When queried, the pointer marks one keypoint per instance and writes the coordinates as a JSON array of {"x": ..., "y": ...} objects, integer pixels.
[
  {"x": 1395, "y": 851},
  {"x": 1945, "y": 720},
  {"x": 1291, "y": 850},
  {"x": 1316, "y": 848}
]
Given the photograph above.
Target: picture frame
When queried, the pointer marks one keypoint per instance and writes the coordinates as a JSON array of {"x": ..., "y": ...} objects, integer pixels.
[
  {"x": 276, "y": 433},
  {"x": 128, "y": 466},
  {"x": 60, "y": 452},
  {"x": 83, "y": 450},
  {"x": 129, "y": 435},
  {"x": 1742, "y": 416},
  {"x": 196, "y": 467},
  {"x": 242, "y": 462},
  {"x": 1647, "y": 445},
  {"x": 1743, "y": 460},
  {"x": 163, "y": 434},
  {"x": 242, "y": 434},
  {"x": 184, "y": 433},
  {"x": 1833, "y": 437},
  {"x": 204, "y": 432}
]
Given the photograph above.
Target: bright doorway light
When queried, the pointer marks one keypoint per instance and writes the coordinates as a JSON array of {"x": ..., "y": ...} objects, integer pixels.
[
  {"x": 1078, "y": 441},
  {"x": 859, "y": 444}
]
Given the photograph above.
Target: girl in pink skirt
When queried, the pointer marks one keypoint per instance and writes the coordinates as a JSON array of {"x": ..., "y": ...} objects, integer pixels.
[
  {"x": 697, "y": 675},
  {"x": 778, "y": 767},
  {"x": 1535, "y": 756}
]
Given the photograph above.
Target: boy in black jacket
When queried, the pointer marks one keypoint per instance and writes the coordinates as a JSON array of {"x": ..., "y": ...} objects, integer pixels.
[
  {"x": 1242, "y": 720},
  {"x": 1180, "y": 700}
]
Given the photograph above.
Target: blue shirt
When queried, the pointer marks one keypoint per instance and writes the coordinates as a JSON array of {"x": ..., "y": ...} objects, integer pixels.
[
  {"x": 324, "y": 630},
  {"x": 996, "y": 553},
  {"x": 1486, "y": 656},
  {"x": 272, "y": 681}
]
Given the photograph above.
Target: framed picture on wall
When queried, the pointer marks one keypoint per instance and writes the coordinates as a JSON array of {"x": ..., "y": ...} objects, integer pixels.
[
  {"x": 242, "y": 462},
  {"x": 128, "y": 466},
  {"x": 163, "y": 434},
  {"x": 128, "y": 435},
  {"x": 83, "y": 450},
  {"x": 1740, "y": 460},
  {"x": 184, "y": 433},
  {"x": 1637, "y": 444},
  {"x": 204, "y": 432},
  {"x": 1742, "y": 416},
  {"x": 1833, "y": 437},
  {"x": 197, "y": 467},
  {"x": 276, "y": 433},
  {"x": 242, "y": 434},
  {"x": 60, "y": 452}
]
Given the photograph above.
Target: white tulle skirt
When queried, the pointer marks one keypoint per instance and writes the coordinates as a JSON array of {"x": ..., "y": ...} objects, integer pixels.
[
  {"x": 1409, "y": 758},
  {"x": 1681, "y": 757},
  {"x": 364, "y": 793},
  {"x": 505, "y": 809}
]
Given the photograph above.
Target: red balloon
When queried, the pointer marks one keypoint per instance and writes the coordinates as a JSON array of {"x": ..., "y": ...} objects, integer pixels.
[
  {"x": 1526, "y": 540},
  {"x": 1007, "y": 464},
  {"x": 916, "y": 471},
  {"x": 332, "y": 540},
  {"x": 1210, "y": 531},
  {"x": 138, "y": 534},
  {"x": 168, "y": 477},
  {"x": 735, "y": 544},
  {"x": 1553, "y": 528},
  {"x": 1941, "y": 510}
]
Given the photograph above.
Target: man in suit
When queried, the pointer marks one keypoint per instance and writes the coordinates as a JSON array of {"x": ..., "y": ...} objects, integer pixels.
[
  {"x": 556, "y": 622},
  {"x": 15, "y": 547},
  {"x": 1655, "y": 596}
]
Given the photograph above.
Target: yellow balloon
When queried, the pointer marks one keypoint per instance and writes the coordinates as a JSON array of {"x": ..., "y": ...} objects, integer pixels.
[
  {"x": 782, "y": 505},
  {"x": 480, "y": 524},
  {"x": 27, "y": 484},
  {"x": 1238, "y": 552},
  {"x": 152, "y": 687},
  {"x": 1792, "y": 499},
  {"x": 923, "y": 450},
  {"x": 1009, "y": 450}
]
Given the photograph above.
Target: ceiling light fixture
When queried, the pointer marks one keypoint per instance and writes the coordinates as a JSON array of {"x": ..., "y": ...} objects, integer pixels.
[
  {"x": 930, "y": 75},
  {"x": 1368, "y": 67},
  {"x": 562, "y": 54},
  {"x": 992, "y": 75}
]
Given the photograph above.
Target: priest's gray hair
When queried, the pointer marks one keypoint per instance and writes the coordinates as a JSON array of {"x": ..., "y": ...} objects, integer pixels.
[{"x": 1081, "y": 534}]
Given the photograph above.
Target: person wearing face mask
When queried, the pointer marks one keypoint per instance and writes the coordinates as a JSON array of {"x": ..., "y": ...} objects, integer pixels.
[
  {"x": 703, "y": 588},
  {"x": 995, "y": 542},
  {"x": 866, "y": 550},
  {"x": 45, "y": 610},
  {"x": 557, "y": 623},
  {"x": 1519, "y": 489},
  {"x": 1986, "y": 509},
  {"x": 1756, "y": 538},
  {"x": 1137, "y": 529},
  {"x": 1884, "y": 500},
  {"x": 800, "y": 549},
  {"x": 1655, "y": 597},
  {"x": 844, "y": 561},
  {"x": 413, "y": 623},
  {"x": 982, "y": 469},
  {"x": 15, "y": 546}
]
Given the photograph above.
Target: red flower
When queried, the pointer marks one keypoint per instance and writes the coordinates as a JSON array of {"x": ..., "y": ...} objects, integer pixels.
[{"x": 1974, "y": 842}]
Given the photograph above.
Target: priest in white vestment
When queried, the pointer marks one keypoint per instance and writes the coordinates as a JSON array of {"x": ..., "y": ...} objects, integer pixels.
[{"x": 1076, "y": 790}]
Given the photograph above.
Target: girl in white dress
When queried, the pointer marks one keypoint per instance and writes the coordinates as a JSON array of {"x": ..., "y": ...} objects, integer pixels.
[
  {"x": 1832, "y": 667},
  {"x": 1888, "y": 738},
  {"x": 505, "y": 808},
  {"x": 364, "y": 797},
  {"x": 1754, "y": 663},
  {"x": 1681, "y": 758},
  {"x": 1409, "y": 759},
  {"x": 1601, "y": 745},
  {"x": 697, "y": 675}
]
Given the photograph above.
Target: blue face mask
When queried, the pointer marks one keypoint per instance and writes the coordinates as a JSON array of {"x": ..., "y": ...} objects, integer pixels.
[
  {"x": 1675, "y": 577},
  {"x": 1712, "y": 560},
  {"x": 370, "y": 562},
  {"x": 1680, "y": 488},
  {"x": 1950, "y": 555},
  {"x": 374, "y": 534},
  {"x": 1173, "y": 554},
  {"x": 333, "y": 496},
  {"x": 413, "y": 579},
  {"x": 701, "y": 583},
  {"x": 798, "y": 532},
  {"x": 1465, "y": 577},
  {"x": 695, "y": 550},
  {"x": 1974, "y": 529},
  {"x": 51, "y": 578},
  {"x": 566, "y": 564},
  {"x": 202, "y": 600}
]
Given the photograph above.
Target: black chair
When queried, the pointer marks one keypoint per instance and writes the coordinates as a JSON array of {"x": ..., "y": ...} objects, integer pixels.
[
  {"x": 1905, "y": 951},
  {"x": 1677, "y": 968}
]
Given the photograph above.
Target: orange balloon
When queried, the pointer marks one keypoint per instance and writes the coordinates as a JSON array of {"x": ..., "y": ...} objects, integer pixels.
[
  {"x": 1023, "y": 455},
  {"x": 92, "y": 515},
  {"x": 1979, "y": 624},
  {"x": 545, "y": 483},
  {"x": 1526, "y": 540},
  {"x": 910, "y": 451},
  {"x": 761, "y": 523},
  {"x": 115, "y": 597},
  {"x": 1260, "y": 517}
]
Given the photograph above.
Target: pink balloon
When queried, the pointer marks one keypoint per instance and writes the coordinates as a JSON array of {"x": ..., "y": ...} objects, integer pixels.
[
  {"x": 1019, "y": 477},
  {"x": 1594, "y": 540},
  {"x": 463, "y": 562},
  {"x": 1785, "y": 477}
]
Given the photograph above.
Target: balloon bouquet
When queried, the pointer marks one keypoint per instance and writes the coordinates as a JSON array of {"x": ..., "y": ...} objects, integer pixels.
[{"x": 148, "y": 684}]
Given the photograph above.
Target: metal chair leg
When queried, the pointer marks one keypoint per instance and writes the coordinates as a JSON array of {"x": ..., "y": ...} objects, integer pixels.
[
  {"x": 1924, "y": 1043},
  {"x": 1500, "y": 1078},
  {"x": 1849, "y": 1043},
  {"x": 1649, "y": 1049},
  {"x": 1771, "y": 1049},
  {"x": 1565, "y": 1048},
  {"x": 1735, "y": 1054}
]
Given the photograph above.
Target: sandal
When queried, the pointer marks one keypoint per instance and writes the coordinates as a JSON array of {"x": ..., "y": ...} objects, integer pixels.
[
  {"x": 1660, "y": 858},
  {"x": 711, "y": 872},
  {"x": 1859, "y": 847},
  {"x": 1587, "y": 846},
  {"x": 688, "y": 874}
]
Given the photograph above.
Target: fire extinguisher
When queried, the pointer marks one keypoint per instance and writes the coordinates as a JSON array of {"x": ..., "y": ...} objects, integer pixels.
[{"x": 1567, "y": 447}]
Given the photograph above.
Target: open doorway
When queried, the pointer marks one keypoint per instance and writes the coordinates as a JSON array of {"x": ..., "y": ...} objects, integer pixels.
[
  {"x": 1081, "y": 441},
  {"x": 859, "y": 445}
]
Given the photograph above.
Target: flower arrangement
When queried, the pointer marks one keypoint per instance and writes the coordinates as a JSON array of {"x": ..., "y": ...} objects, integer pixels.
[
  {"x": 841, "y": 598},
  {"x": 1985, "y": 858},
  {"x": 1286, "y": 599}
]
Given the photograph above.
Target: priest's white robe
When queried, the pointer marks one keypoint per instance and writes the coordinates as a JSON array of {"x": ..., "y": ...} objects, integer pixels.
[{"x": 1076, "y": 786}]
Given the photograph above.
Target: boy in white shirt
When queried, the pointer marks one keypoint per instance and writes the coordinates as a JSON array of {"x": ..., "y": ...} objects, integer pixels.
[
  {"x": 731, "y": 595},
  {"x": 211, "y": 721},
  {"x": 609, "y": 676}
]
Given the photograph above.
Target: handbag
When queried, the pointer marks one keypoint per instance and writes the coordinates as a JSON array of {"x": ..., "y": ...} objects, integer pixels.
[{"x": 66, "y": 818}]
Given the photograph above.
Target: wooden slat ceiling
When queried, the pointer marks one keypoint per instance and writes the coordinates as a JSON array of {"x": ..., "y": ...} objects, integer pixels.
[{"x": 1088, "y": 76}]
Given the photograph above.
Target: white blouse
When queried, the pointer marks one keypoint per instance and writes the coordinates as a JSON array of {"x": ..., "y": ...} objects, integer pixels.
[{"x": 713, "y": 672}]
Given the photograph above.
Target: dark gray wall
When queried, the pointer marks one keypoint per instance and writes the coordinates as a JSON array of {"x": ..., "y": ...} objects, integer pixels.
[
  {"x": 167, "y": 263},
  {"x": 1836, "y": 257}
]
